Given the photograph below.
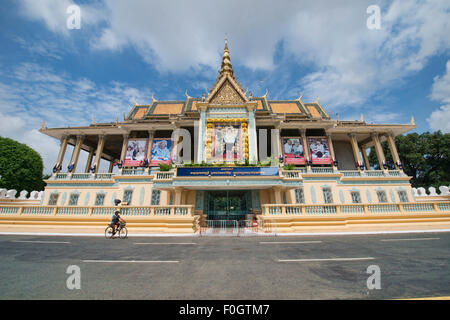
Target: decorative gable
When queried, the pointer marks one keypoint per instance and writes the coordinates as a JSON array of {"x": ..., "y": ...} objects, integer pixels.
[{"x": 227, "y": 94}]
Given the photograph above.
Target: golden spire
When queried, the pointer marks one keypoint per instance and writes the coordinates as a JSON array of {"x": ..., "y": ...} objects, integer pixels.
[{"x": 226, "y": 63}]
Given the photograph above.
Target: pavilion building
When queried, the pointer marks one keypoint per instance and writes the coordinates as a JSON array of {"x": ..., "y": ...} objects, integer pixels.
[{"x": 226, "y": 155}]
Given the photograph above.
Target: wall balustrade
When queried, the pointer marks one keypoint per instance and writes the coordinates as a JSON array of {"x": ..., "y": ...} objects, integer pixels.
[
  {"x": 357, "y": 209},
  {"x": 169, "y": 210}
]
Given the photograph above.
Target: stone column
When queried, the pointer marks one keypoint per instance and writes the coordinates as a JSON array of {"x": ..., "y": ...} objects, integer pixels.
[
  {"x": 379, "y": 150},
  {"x": 99, "y": 152},
  {"x": 276, "y": 142},
  {"x": 201, "y": 133},
  {"x": 111, "y": 166},
  {"x": 277, "y": 195},
  {"x": 76, "y": 152},
  {"x": 365, "y": 157},
  {"x": 151, "y": 135},
  {"x": 124, "y": 149},
  {"x": 305, "y": 148},
  {"x": 62, "y": 151},
  {"x": 393, "y": 148},
  {"x": 330, "y": 143},
  {"x": 178, "y": 194},
  {"x": 252, "y": 141},
  {"x": 355, "y": 149},
  {"x": 89, "y": 161},
  {"x": 124, "y": 146}
]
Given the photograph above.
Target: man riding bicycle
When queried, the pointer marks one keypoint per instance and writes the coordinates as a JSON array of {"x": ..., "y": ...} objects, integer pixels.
[{"x": 116, "y": 220}]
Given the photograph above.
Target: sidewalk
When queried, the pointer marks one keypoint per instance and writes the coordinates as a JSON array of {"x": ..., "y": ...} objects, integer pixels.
[{"x": 145, "y": 232}]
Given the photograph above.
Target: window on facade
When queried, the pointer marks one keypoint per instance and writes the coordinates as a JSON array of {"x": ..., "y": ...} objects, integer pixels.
[
  {"x": 299, "y": 196},
  {"x": 356, "y": 197},
  {"x": 156, "y": 194},
  {"x": 127, "y": 195},
  {"x": 381, "y": 196},
  {"x": 73, "y": 200},
  {"x": 53, "y": 199},
  {"x": 403, "y": 196},
  {"x": 327, "y": 196},
  {"x": 100, "y": 199}
]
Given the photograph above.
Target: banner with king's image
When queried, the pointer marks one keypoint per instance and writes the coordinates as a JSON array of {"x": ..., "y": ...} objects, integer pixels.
[
  {"x": 227, "y": 142},
  {"x": 320, "y": 150},
  {"x": 136, "y": 152},
  {"x": 161, "y": 151},
  {"x": 292, "y": 149}
]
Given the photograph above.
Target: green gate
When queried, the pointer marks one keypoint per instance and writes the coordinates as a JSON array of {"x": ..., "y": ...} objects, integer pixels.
[{"x": 227, "y": 204}]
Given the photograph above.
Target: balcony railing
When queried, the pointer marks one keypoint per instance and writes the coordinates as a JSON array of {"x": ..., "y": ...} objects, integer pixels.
[
  {"x": 164, "y": 175},
  {"x": 133, "y": 172},
  {"x": 169, "y": 210},
  {"x": 83, "y": 176},
  {"x": 349, "y": 209},
  {"x": 286, "y": 174},
  {"x": 322, "y": 170}
]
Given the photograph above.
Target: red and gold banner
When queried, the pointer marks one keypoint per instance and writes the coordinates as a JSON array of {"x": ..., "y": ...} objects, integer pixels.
[
  {"x": 319, "y": 150},
  {"x": 136, "y": 152},
  {"x": 293, "y": 150}
]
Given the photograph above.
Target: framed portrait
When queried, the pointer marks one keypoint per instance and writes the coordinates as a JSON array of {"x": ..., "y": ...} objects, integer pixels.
[
  {"x": 136, "y": 152},
  {"x": 161, "y": 151},
  {"x": 319, "y": 150},
  {"x": 226, "y": 142},
  {"x": 293, "y": 150}
]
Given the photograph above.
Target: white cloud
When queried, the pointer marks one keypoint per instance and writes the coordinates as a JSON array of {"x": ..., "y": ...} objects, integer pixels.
[
  {"x": 440, "y": 91},
  {"x": 440, "y": 119},
  {"x": 34, "y": 93},
  {"x": 441, "y": 86},
  {"x": 54, "y": 13},
  {"x": 351, "y": 63}
]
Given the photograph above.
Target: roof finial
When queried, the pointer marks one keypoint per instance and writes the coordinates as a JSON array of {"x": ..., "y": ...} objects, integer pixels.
[
  {"x": 412, "y": 120},
  {"x": 265, "y": 94},
  {"x": 300, "y": 97},
  {"x": 226, "y": 63},
  {"x": 187, "y": 95}
]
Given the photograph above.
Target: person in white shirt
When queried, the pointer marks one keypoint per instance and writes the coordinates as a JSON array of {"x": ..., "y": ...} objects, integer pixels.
[
  {"x": 298, "y": 148},
  {"x": 161, "y": 152},
  {"x": 288, "y": 147},
  {"x": 230, "y": 140}
]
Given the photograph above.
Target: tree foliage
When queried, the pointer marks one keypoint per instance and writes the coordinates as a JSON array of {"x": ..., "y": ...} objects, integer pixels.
[
  {"x": 425, "y": 157},
  {"x": 21, "y": 167}
]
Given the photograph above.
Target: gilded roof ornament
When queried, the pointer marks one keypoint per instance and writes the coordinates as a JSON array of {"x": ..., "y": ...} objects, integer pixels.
[{"x": 226, "y": 90}]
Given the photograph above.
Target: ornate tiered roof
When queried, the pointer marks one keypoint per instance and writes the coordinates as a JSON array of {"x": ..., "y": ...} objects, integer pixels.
[{"x": 227, "y": 91}]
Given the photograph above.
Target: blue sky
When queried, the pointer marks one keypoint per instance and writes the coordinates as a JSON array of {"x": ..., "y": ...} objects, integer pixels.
[{"x": 133, "y": 49}]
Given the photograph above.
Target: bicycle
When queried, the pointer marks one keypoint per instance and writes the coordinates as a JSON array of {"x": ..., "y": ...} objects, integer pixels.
[{"x": 121, "y": 230}]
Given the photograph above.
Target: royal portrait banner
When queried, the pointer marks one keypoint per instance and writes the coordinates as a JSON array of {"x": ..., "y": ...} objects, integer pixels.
[{"x": 293, "y": 150}]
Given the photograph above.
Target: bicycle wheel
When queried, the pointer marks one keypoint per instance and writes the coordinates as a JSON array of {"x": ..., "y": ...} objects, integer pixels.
[
  {"x": 123, "y": 233},
  {"x": 108, "y": 232}
]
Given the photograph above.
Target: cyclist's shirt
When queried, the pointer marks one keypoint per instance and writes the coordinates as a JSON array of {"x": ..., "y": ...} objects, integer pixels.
[{"x": 115, "y": 219}]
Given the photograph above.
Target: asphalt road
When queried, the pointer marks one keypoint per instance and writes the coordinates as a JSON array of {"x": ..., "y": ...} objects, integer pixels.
[{"x": 307, "y": 267}]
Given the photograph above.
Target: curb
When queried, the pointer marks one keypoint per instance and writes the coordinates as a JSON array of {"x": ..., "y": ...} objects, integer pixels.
[{"x": 218, "y": 235}]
